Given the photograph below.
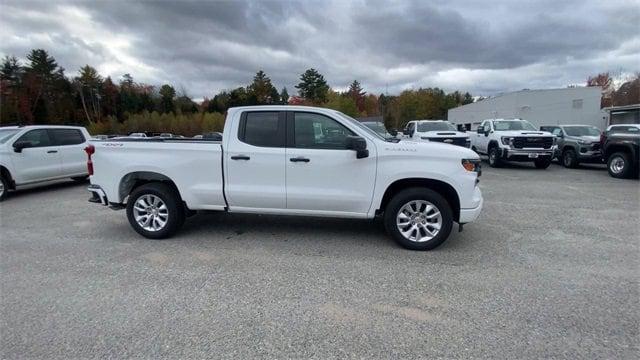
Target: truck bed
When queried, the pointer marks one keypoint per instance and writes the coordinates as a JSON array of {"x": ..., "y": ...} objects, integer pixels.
[{"x": 193, "y": 165}]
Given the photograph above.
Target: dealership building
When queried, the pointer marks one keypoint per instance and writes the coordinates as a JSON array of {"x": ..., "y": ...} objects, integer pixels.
[{"x": 574, "y": 105}]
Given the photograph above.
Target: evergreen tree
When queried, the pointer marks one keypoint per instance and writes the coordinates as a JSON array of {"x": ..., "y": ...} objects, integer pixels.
[
  {"x": 313, "y": 86},
  {"x": 284, "y": 96},
  {"x": 167, "y": 94}
]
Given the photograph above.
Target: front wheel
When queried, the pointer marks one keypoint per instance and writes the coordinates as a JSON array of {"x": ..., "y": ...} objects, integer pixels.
[
  {"x": 569, "y": 159},
  {"x": 418, "y": 219},
  {"x": 619, "y": 165},
  {"x": 494, "y": 158},
  {"x": 155, "y": 210},
  {"x": 542, "y": 163}
]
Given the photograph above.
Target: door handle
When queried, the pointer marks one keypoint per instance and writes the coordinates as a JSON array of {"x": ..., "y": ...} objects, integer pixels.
[
  {"x": 299, "y": 159},
  {"x": 240, "y": 157},
  {"x": 52, "y": 151}
]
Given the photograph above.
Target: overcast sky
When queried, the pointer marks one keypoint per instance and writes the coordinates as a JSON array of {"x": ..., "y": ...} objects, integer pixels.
[{"x": 484, "y": 47}]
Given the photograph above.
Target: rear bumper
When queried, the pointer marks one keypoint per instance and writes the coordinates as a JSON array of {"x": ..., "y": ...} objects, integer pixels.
[
  {"x": 98, "y": 195},
  {"x": 470, "y": 215}
]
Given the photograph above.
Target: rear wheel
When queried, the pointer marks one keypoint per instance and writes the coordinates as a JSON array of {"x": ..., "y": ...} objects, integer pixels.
[
  {"x": 418, "y": 219},
  {"x": 569, "y": 158},
  {"x": 542, "y": 163},
  {"x": 155, "y": 210},
  {"x": 494, "y": 157},
  {"x": 4, "y": 187},
  {"x": 619, "y": 165}
]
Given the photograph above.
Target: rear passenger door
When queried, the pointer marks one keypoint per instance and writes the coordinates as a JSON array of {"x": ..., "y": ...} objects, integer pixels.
[
  {"x": 70, "y": 144},
  {"x": 255, "y": 162}
]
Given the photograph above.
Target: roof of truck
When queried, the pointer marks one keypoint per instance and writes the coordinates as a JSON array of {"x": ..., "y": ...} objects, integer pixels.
[{"x": 41, "y": 127}]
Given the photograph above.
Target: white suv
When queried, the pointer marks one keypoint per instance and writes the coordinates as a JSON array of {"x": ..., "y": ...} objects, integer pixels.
[
  {"x": 33, "y": 154},
  {"x": 437, "y": 131}
]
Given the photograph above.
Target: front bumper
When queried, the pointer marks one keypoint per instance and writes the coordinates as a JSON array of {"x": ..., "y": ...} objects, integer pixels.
[
  {"x": 98, "y": 195},
  {"x": 525, "y": 154},
  {"x": 470, "y": 215}
]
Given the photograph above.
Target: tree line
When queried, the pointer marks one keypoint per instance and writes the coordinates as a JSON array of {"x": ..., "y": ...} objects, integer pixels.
[{"x": 40, "y": 92}]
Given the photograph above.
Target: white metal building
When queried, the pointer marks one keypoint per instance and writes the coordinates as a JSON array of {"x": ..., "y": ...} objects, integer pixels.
[{"x": 577, "y": 105}]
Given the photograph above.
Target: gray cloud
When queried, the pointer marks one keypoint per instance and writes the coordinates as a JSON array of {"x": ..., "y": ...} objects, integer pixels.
[{"x": 206, "y": 46}]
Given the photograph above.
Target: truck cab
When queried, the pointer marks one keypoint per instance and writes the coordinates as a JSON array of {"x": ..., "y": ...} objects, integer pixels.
[
  {"x": 436, "y": 131},
  {"x": 513, "y": 140}
]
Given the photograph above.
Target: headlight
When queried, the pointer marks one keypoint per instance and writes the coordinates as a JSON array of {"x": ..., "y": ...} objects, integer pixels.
[
  {"x": 507, "y": 140},
  {"x": 472, "y": 165},
  {"x": 582, "y": 142}
]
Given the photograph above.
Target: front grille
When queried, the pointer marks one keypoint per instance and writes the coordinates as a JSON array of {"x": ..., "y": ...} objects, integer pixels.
[
  {"x": 460, "y": 141},
  {"x": 532, "y": 142}
]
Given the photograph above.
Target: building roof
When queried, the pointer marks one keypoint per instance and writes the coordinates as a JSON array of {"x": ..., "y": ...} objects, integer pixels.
[{"x": 622, "y": 108}]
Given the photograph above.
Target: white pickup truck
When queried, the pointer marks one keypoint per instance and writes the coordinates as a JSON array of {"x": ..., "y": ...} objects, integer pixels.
[
  {"x": 513, "y": 140},
  {"x": 290, "y": 160}
]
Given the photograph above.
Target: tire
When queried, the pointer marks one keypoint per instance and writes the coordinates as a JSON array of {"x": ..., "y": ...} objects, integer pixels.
[
  {"x": 569, "y": 159},
  {"x": 4, "y": 187},
  {"x": 542, "y": 163},
  {"x": 419, "y": 196},
  {"x": 494, "y": 157},
  {"x": 80, "y": 178},
  {"x": 619, "y": 165},
  {"x": 144, "y": 200}
]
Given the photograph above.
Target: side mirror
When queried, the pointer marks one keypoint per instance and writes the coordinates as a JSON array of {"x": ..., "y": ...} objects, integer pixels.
[
  {"x": 393, "y": 132},
  {"x": 18, "y": 146},
  {"x": 358, "y": 144}
]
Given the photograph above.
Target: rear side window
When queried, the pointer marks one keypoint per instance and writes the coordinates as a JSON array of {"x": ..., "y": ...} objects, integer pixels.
[
  {"x": 264, "y": 129},
  {"x": 37, "y": 138},
  {"x": 67, "y": 136}
]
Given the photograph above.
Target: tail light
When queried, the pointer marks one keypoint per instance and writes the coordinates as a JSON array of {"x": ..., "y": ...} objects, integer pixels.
[{"x": 90, "y": 150}]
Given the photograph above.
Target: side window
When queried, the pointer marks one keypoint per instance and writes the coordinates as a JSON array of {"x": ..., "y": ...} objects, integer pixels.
[
  {"x": 265, "y": 128},
  {"x": 557, "y": 132},
  {"x": 37, "y": 138},
  {"x": 315, "y": 131},
  {"x": 67, "y": 136},
  {"x": 487, "y": 126}
]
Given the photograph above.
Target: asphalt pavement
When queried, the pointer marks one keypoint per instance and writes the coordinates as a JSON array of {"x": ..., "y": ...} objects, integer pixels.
[{"x": 551, "y": 269}]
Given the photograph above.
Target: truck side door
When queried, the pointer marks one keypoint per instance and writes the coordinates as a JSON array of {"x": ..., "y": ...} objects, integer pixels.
[
  {"x": 323, "y": 176},
  {"x": 481, "y": 140},
  {"x": 70, "y": 143},
  {"x": 255, "y": 162},
  {"x": 39, "y": 161}
]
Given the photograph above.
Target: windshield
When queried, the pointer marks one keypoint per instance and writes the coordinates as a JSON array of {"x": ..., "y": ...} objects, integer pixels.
[
  {"x": 377, "y": 127},
  {"x": 582, "y": 131},
  {"x": 359, "y": 125},
  {"x": 506, "y": 125},
  {"x": 435, "y": 126},
  {"x": 6, "y": 134}
]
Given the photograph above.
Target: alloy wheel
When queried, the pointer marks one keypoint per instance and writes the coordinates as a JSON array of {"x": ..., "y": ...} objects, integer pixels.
[
  {"x": 150, "y": 212},
  {"x": 419, "y": 220}
]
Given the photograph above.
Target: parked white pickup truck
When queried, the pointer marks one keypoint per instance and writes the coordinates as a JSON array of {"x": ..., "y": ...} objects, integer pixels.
[
  {"x": 290, "y": 160},
  {"x": 38, "y": 153},
  {"x": 513, "y": 140},
  {"x": 437, "y": 131}
]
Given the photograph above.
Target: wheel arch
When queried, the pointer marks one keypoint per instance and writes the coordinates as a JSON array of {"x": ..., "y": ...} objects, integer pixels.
[
  {"x": 614, "y": 148},
  {"x": 439, "y": 186},
  {"x": 135, "y": 179},
  {"x": 492, "y": 144}
]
